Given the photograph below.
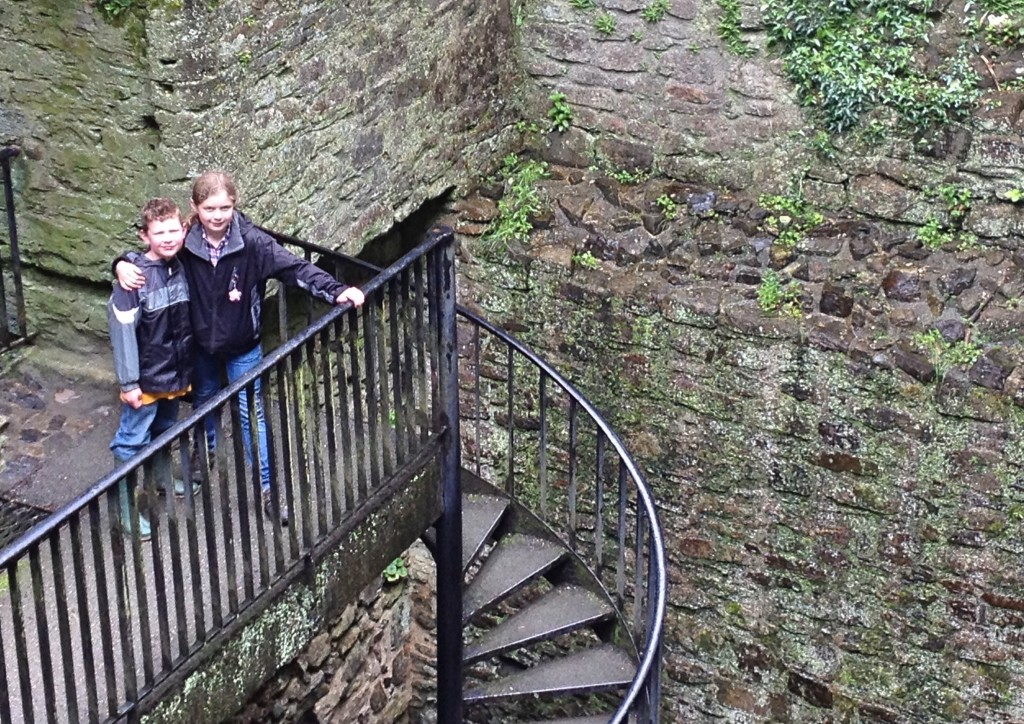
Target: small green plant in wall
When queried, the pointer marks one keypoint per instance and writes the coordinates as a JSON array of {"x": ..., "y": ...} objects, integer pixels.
[
  {"x": 395, "y": 571},
  {"x": 586, "y": 260},
  {"x": 933, "y": 235},
  {"x": 729, "y": 29},
  {"x": 582, "y": 4},
  {"x": 1014, "y": 195},
  {"x": 560, "y": 112},
  {"x": 520, "y": 202},
  {"x": 113, "y": 9},
  {"x": 790, "y": 218},
  {"x": 774, "y": 296},
  {"x": 655, "y": 11},
  {"x": 669, "y": 208},
  {"x": 605, "y": 24},
  {"x": 943, "y": 354}
]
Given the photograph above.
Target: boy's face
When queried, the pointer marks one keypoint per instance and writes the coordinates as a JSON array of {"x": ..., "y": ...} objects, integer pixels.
[{"x": 164, "y": 238}]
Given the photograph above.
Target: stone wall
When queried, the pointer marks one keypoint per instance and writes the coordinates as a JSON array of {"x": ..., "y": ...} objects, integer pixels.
[
  {"x": 842, "y": 511},
  {"x": 368, "y": 665},
  {"x": 669, "y": 97},
  {"x": 76, "y": 96},
  {"x": 336, "y": 121}
]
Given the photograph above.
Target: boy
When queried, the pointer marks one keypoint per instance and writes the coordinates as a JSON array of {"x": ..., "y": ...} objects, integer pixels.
[{"x": 151, "y": 334}]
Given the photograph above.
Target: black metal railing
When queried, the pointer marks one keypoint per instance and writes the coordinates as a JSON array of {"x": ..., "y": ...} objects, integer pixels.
[
  {"x": 525, "y": 425},
  {"x": 13, "y": 325},
  {"x": 94, "y": 620}
]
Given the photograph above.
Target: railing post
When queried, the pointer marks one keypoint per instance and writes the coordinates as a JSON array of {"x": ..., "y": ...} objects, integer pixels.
[
  {"x": 6, "y": 154},
  {"x": 449, "y": 526}
]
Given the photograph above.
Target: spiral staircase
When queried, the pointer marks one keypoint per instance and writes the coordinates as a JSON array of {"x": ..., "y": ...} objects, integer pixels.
[{"x": 550, "y": 567}]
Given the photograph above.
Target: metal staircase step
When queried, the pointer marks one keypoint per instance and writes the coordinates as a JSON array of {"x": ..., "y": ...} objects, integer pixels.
[
  {"x": 585, "y": 671},
  {"x": 515, "y": 561},
  {"x": 563, "y": 609},
  {"x": 480, "y": 516}
]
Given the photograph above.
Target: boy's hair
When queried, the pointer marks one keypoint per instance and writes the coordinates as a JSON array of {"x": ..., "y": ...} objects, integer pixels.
[
  {"x": 158, "y": 209},
  {"x": 210, "y": 182}
]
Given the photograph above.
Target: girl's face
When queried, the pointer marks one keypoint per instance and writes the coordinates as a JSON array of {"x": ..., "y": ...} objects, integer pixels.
[{"x": 215, "y": 214}]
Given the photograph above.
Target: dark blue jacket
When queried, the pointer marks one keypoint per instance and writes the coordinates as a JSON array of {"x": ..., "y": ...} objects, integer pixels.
[{"x": 151, "y": 330}]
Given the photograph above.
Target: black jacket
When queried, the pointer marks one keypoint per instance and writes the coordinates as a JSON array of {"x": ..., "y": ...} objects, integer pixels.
[
  {"x": 227, "y": 299},
  {"x": 151, "y": 330}
]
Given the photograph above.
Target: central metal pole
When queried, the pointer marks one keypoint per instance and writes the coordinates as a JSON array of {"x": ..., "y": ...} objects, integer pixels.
[{"x": 449, "y": 526}]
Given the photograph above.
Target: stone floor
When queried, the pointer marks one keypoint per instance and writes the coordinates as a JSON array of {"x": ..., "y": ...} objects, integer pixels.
[{"x": 58, "y": 411}]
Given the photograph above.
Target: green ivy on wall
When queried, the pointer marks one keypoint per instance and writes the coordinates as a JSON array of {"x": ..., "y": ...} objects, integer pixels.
[{"x": 851, "y": 57}]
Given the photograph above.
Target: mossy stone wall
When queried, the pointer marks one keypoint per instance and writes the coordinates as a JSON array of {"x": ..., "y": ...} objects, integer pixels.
[{"x": 844, "y": 541}]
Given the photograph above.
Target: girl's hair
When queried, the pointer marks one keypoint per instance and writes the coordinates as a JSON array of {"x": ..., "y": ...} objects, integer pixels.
[{"x": 210, "y": 182}]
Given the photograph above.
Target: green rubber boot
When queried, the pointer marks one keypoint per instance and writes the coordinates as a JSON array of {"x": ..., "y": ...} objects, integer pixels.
[{"x": 126, "y": 514}]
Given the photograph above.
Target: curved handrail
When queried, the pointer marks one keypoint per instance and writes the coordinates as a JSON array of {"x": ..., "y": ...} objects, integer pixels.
[{"x": 648, "y": 667}]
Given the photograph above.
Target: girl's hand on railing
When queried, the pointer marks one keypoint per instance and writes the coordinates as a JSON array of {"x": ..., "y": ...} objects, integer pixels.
[
  {"x": 352, "y": 294},
  {"x": 129, "y": 276}
]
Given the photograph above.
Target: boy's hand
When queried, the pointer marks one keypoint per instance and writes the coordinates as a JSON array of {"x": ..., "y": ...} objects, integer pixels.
[
  {"x": 352, "y": 294},
  {"x": 133, "y": 398},
  {"x": 130, "y": 277}
]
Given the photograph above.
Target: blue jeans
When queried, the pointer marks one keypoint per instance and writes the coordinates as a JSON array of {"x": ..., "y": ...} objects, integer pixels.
[
  {"x": 139, "y": 427},
  {"x": 206, "y": 382}
]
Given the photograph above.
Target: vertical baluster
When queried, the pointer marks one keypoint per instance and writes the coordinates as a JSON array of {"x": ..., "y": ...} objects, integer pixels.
[
  {"x": 370, "y": 324},
  {"x": 335, "y": 481},
  {"x": 573, "y": 433},
  {"x": 99, "y": 575},
  {"x": 410, "y": 405},
  {"x": 227, "y": 536},
  {"x": 396, "y": 421},
  {"x": 124, "y": 608},
  {"x": 282, "y": 312},
  {"x": 267, "y": 530},
  {"x": 242, "y": 487},
  {"x": 284, "y": 393},
  {"x": 20, "y": 644},
  {"x": 434, "y": 353},
  {"x": 638, "y": 581},
  {"x": 192, "y": 541},
  {"x": 419, "y": 292},
  {"x": 12, "y": 229},
  {"x": 301, "y": 464},
  {"x": 255, "y": 401},
  {"x": 599, "y": 504},
  {"x": 84, "y": 614},
  {"x": 159, "y": 570},
  {"x": 542, "y": 444},
  {"x": 315, "y": 421},
  {"x": 510, "y": 481},
  {"x": 211, "y": 549},
  {"x": 348, "y": 480},
  {"x": 177, "y": 571},
  {"x": 119, "y": 529},
  {"x": 477, "y": 410},
  {"x": 387, "y": 420},
  {"x": 5, "y": 694},
  {"x": 620, "y": 569},
  {"x": 42, "y": 633},
  {"x": 359, "y": 431},
  {"x": 60, "y": 597}
]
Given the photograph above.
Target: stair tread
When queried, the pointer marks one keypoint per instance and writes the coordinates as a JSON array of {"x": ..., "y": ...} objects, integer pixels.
[
  {"x": 514, "y": 561},
  {"x": 585, "y": 671},
  {"x": 562, "y": 609},
  {"x": 480, "y": 516}
]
